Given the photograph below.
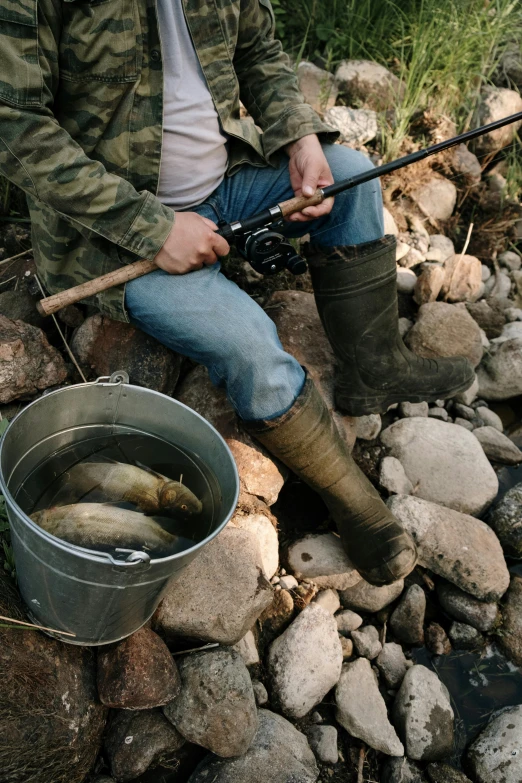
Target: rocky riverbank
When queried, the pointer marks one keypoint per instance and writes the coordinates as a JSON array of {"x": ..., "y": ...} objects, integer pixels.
[{"x": 313, "y": 674}]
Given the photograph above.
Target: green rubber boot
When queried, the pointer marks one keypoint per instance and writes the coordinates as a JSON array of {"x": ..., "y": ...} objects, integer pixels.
[
  {"x": 307, "y": 441},
  {"x": 355, "y": 290}
]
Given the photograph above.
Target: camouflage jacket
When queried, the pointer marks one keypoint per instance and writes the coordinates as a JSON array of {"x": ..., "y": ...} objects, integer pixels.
[{"x": 81, "y": 120}]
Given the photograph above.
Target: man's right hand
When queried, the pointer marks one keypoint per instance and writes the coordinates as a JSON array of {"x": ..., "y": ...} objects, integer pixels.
[{"x": 191, "y": 244}]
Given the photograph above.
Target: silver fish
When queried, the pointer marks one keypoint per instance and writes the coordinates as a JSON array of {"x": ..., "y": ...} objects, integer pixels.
[
  {"x": 150, "y": 492},
  {"x": 94, "y": 525}
]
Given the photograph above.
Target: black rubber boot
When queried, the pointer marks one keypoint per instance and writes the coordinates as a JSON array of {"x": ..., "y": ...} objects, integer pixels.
[
  {"x": 355, "y": 290},
  {"x": 307, "y": 441}
]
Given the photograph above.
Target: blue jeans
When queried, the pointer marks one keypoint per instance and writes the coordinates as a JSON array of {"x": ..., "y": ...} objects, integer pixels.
[{"x": 207, "y": 317}]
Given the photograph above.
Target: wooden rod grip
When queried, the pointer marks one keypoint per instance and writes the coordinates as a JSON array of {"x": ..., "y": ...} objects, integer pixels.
[
  {"x": 122, "y": 275},
  {"x": 301, "y": 202}
]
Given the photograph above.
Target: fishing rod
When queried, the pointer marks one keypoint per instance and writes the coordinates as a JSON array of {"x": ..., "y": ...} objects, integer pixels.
[{"x": 259, "y": 238}]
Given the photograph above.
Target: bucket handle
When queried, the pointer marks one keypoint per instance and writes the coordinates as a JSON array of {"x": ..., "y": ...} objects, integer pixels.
[{"x": 134, "y": 558}]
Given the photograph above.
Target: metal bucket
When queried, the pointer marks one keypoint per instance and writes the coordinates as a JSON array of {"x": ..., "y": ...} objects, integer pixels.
[{"x": 95, "y": 596}]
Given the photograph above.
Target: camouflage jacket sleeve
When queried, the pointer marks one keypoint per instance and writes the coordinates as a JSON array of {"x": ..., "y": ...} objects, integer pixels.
[
  {"x": 268, "y": 85},
  {"x": 41, "y": 157}
]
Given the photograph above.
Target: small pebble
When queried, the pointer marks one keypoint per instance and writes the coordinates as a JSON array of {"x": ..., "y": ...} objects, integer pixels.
[
  {"x": 366, "y": 642},
  {"x": 274, "y": 580},
  {"x": 347, "y": 646},
  {"x": 260, "y": 692},
  {"x": 323, "y": 741},
  {"x": 410, "y": 409},
  {"x": 490, "y": 418},
  {"x": 329, "y": 600},
  {"x": 464, "y": 411},
  {"x": 288, "y": 582},
  {"x": 464, "y": 423},
  {"x": 316, "y": 717},
  {"x": 348, "y": 621},
  {"x": 439, "y": 413},
  {"x": 437, "y": 640},
  {"x": 465, "y": 637}
]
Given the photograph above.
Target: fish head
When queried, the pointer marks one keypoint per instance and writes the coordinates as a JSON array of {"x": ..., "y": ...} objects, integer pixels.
[{"x": 178, "y": 498}]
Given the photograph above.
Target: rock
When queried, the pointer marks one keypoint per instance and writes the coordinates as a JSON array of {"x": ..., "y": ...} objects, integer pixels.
[
  {"x": 511, "y": 638},
  {"x": 463, "y": 281},
  {"x": 500, "y": 374},
  {"x": 393, "y": 478},
  {"x": 458, "y": 547},
  {"x": 364, "y": 597},
  {"x": 442, "y": 329},
  {"x": 202, "y": 603},
  {"x": 247, "y": 649},
  {"x": 513, "y": 314},
  {"x": 28, "y": 363},
  {"x": 260, "y": 475},
  {"x": 321, "y": 558},
  {"x": 302, "y": 335},
  {"x": 467, "y": 164},
  {"x": 467, "y": 396},
  {"x": 495, "y": 755},
  {"x": 260, "y": 692},
  {"x": 262, "y": 525},
  {"x": 404, "y": 326},
  {"x": 278, "y": 615},
  {"x": 20, "y": 306},
  {"x": 423, "y": 715},
  {"x": 138, "y": 740},
  {"x": 489, "y": 316},
  {"x": 401, "y": 771},
  {"x": 443, "y": 244},
  {"x": 413, "y": 257},
  {"x": 443, "y": 773},
  {"x": 408, "y": 410},
  {"x": 278, "y": 753},
  {"x": 288, "y": 582},
  {"x": 501, "y": 286},
  {"x": 436, "y": 199},
  {"x": 401, "y": 252},
  {"x": 137, "y": 673},
  {"x": 367, "y": 643},
  {"x": 437, "y": 640},
  {"x": 429, "y": 284},
  {"x": 390, "y": 226},
  {"x": 407, "y": 620},
  {"x": 347, "y": 647},
  {"x": 453, "y": 471},
  {"x": 106, "y": 346},
  {"x": 51, "y": 722},
  {"x": 305, "y": 661},
  {"x": 216, "y": 707},
  {"x": 508, "y": 259},
  {"x": 323, "y": 741},
  {"x": 497, "y": 446},
  {"x": 348, "y": 621},
  {"x": 368, "y": 427},
  {"x": 486, "y": 273},
  {"x": 490, "y": 418},
  {"x": 329, "y": 600},
  {"x": 482, "y": 616},
  {"x": 317, "y": 85},
  {"x": 465, "y": 411},
  {"x": 496, "y": 103},
  {"x": 71, "y": 316},
  {"x": 437, "y": 413},
  {"x": 392, "y": 664},
  {"x": 506, "y": 520},
  {"x": 361, "y": 709},
  {"x": 465, "y": 637},
  {"x": 367, "y": 82},
  {"x": 406, "y": 281},
  {"x": 511, "y": 330},
  {"x": 356, "y": 126}
]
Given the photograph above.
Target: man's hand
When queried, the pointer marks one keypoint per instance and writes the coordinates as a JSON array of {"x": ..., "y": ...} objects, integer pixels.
[
  {"x": 309, "y": 170},
  {"x": 191, "y": 244}
]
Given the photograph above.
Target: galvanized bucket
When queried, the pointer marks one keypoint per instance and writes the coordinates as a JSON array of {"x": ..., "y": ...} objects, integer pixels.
[{"x": 95, "y": 596}]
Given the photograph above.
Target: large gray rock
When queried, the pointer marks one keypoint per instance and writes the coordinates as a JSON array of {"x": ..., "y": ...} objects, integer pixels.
[
  {"x": 495, "y": 756},
  {"x": 500, "y": 374},
  {"x": 458, "y": 547},
  {"x": 407, "y": 620},
  {"x": 216, "y": 707},
  {"x": 443, "y": 329},
  {"x": 322, "y": 559},
  {"x": 317, "y": 85},
  {"x": 220, "y": 595},
  {"x": 364, "y": 597},
  {"x": 436, "y": 198},
  {"x": 444, "y": 462},
  {"x": 423, "y": 715},
  {"x": 366, "y": 82},
  {"x": 506, "y": 520},
  {"x": 392, "y": 664},
  {"x": 361, "y": 709},
  {"x": 278, "y": 754},
  {"x": 496, "y": 103},
  {"x": 305, "y": 661},
  {"x": 482, "y": 616},
  {"x": 511, "y": 638},
  {"x": 137, "y": 740},
  {"x": 356, "y": 126},
  {"x": 497, "y": 446}
]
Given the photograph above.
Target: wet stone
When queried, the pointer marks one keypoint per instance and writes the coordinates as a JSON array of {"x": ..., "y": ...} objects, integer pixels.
[
  {"x": 465, "y": 637},
  {"x": 437, "y": 640},
  {"x": 401, "y": 770},
  {"x": 496, "y": 756},
  {"x": 443, "y": 773},
  {"x": 463, "y": 607},
  {"x": 407, "y": 620},
  {"x": 511, "y": 639},
  {"x": 506, "y": 520}
]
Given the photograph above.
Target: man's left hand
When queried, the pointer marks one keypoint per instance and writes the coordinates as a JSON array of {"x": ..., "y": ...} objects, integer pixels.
[{"x": 309, "y": 170}]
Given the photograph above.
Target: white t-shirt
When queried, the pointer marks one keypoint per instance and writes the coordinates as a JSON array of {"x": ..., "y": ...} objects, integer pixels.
[{"x": 194, "y": 154}]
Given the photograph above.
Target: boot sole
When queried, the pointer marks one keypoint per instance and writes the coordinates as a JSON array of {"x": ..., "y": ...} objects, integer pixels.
[{"x": 364, "y": 406}]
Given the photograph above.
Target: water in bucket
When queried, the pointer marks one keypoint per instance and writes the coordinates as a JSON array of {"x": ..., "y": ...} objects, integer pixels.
[{"x": 123, "y": 491}]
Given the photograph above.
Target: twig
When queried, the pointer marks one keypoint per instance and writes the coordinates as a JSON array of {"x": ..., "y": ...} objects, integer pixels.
[
  {"x": 468, "y": 238},
  {"x": 360, "y": 769},
  {"x": 36, "y": 627},
  {"x": 72, "y": 356},
  {"x": 4, "y": 282},
  {"x": 13, "y": 258}
]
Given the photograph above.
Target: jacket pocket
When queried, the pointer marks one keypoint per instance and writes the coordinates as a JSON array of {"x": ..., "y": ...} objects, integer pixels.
[
  {"x": 100, "y": 41},
  {"x": 21, "y": 79}
]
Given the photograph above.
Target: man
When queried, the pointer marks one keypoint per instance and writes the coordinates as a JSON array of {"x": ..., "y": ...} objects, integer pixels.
[{"x": 120, "y": 120}]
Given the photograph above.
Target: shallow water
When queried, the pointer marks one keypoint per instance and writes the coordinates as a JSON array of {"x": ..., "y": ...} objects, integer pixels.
[{"x": 50, "y": 485}]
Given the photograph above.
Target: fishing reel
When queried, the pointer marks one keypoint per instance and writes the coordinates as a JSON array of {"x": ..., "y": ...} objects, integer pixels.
[{"x": 269, "y": 251}]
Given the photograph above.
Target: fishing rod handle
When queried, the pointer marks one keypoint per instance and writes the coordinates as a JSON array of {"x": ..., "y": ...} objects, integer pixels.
[
  {"x": 299, "y": 203},
  {"x": 51, "y": 304}
]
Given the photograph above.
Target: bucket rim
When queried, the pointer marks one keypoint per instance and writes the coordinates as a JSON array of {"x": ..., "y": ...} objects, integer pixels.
[{"x": 101, "y": 557}]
